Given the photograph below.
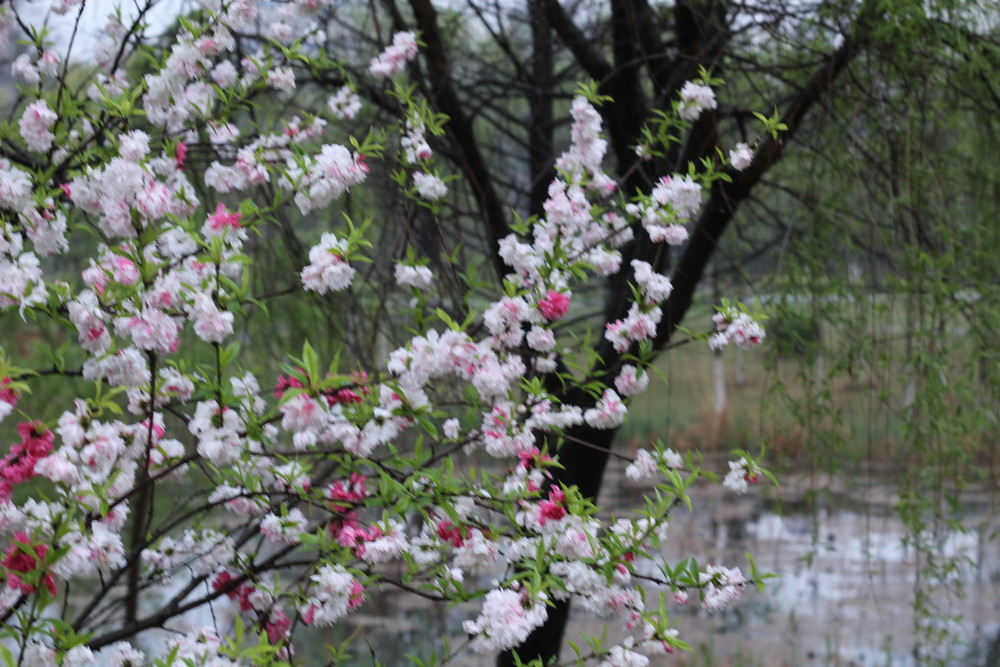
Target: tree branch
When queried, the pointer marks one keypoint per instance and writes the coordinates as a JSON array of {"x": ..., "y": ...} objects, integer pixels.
[{"x": 444, "y": 98}]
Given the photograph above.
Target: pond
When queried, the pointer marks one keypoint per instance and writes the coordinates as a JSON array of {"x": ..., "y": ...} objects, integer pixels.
[
  {"x": 844, "y": 595},
  {"x": 848, "y": 577}
]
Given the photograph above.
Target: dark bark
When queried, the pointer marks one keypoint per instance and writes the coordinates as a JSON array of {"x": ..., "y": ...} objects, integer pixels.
[
  {"x": 445, "y": 100},
  {"x": 540, "y": 147}
]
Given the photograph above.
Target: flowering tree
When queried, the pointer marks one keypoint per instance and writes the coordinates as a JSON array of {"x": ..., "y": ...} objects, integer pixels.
[{"x": 132, "y": 204}]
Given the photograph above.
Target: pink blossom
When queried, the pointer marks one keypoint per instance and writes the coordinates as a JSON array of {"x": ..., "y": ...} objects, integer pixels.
[
  {"x": 503, "y": 319},
  {"x": 285, "y": 383},
  {"x": 49, "y": 63},
  {"x": 224, "y": 74},
  {"x": 180, "y": 153},
  {"x": 554, "y": 305},
  {"x": 328, "y": 270},
  {"x": 334, "y": 593},
  {"x": 673, "y": 234},
  {"x": 333, "y": 172},
  {"x": 24, "y": 68},
  {"x": 211, "y": 324},
  {"x": 277, "y": 626},
  {"x": 36, "y": 123},
  {"x": 63, "y": 6},
  {"x": 281, "y": 32},
  {"x": 240, "y": 593},
  {"x": 390, "y": 62},
  {"x": 87, "y": 316},
  {"x": 22, "y": 558},
  {"x": 643, "y": 467},
  {"x": 552, "y": 509},
  {"x": 681, "y": 193},
  {"x": 342, "y": 396},
  {"x": 507, "y": 618},
  {"x": 450, "y": 533},
  {"x": 629, "y": 382},
  {"x": 734, "y": 326},
  {"x": 608, "y": 413},
  {"x": 133, "y": 146},
  {"x": 345, "y": 103},
  {"x": 223, "y": 218},
  {"x": 415, "y": 146},
  {"x": 152, "y": 330},
  {"x": 429, "y": 187},
  {"x": 695, "y": 98},
  {"x": 355, "y": 490},
  {"x": 8, "y": 398},
  {"x": 155, "y": 201},
  {"x": 541, "y": 339},
  {"x": 638, "y": 326},
  {"x": 413, "y": 276},
  {"x": 15, "y": 187},
  {"x": 19, "y": 465},
  {"x": 721, "y": 586},
  {"x": 740, "y": 157},
  {"x": 586, "y": 153},
  {"x": 656, "y": 286},
  {"x": 282, "y": 78}
]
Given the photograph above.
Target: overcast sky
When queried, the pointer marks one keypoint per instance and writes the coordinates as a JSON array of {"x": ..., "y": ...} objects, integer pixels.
[{"x": 92, "y": 22}]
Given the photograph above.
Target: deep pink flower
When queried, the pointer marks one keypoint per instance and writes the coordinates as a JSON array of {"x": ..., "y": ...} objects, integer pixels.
[
  {"x": 357, "y": 595},
  {"x": 449, "y": 532},
  {"x": 6, "y": 393},
  {"x": 308, "y": 617},
  {"x": 239, "y": 593},
  {"x": 223, "y": 218},
  {"x": 552, "y": 509},
  {"x": 19, "y": 559},
  {"x": 353, "y": 491},
  {"x": 181, "y": 153},
  {"x": 19, "y": 465},
  {"x": 554, "y": 305},
  {"x": 342, "y": 396},
  {"x": 532, "y": 457},
  {"x": 285, "y": 383},
  {"x": 277, "y": 626}
]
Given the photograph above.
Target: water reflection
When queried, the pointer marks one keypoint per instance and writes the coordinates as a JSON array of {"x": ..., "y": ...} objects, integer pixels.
[
  {"x": 845, "y": 595},
  {"x": 848, "y": 581}
]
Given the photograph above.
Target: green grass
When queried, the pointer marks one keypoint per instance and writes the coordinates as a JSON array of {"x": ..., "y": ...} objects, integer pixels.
[{"x": 845, "y": 402}]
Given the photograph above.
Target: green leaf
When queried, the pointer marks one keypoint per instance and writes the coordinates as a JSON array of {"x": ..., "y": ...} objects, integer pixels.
[{"x": 311, "y": 362}]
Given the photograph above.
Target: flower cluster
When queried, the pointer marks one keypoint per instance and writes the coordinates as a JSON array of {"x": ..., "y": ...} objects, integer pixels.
[
  {"x": 672, "y": 202},
  {"x": 333, "y": 593},
  {"x": 742, "y": 472},
  {"x": 507, "y": 618},
  {"x": 695, "y": 98},
  {"x": 721, "y": 586},
  {"x": 647, "y": 466},
  {"x": 735, "y": 326},
  {"x": 328, "y": 269},
  {"x": 391, "y": 62},
  {"x": 36, "y": 125},
  {"x": 19, "y": 465},
  {"x": 24, "y": 559}
]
